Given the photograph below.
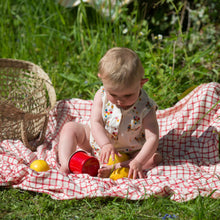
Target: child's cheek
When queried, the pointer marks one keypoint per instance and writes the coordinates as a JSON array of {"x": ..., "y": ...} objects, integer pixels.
[{"x": 111, "y": 99}]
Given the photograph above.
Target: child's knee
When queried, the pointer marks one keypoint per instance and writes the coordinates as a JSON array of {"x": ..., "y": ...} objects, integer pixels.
[{"x": 70, "y": 127}]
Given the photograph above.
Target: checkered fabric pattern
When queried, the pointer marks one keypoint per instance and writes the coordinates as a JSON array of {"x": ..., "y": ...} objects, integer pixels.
[{"x": 189, "y": 143}]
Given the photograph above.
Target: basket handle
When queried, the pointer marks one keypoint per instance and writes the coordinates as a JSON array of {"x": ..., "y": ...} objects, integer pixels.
[
  {"x": 24, "y": 133},
  {"x": 42, "y": 135}
]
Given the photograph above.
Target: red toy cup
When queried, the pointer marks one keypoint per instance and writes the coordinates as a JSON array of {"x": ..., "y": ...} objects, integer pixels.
[{"x": 81, "y": 162}]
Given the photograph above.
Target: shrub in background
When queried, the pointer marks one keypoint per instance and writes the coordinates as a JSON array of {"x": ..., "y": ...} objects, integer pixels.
[{"x": 177, "y": 42}]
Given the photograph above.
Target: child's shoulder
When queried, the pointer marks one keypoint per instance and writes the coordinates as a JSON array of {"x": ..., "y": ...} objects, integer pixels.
[
  {"x": 102, "y": 90},
  {"x": 145, "y": 101},
  {"x": 144, "y": 96}
]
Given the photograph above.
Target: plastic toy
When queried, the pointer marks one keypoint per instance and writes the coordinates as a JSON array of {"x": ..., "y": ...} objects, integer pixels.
[
  {"x": 39, "y": 166},
  {"x": 81, "y": 162},
  {"x": 118, "y": 159},
  {"x": 120, "y": 172}
]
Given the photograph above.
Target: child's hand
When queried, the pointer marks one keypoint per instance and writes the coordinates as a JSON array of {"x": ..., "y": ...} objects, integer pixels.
[
  {"x": 107, "y": 150},
  {"x": 135, "y": 170}
]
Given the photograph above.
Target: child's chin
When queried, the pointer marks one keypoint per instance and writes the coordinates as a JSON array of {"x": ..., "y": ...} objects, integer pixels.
[{"x": 124, "y": 107}]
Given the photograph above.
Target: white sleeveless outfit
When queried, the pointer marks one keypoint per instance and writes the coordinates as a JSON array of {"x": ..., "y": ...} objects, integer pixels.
[{"x": 124, "y": 127}]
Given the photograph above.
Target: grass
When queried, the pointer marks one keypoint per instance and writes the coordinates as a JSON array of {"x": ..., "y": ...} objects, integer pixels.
[
  {"x": 18, "y": 204},
  {"x": 67, "y": 44}
]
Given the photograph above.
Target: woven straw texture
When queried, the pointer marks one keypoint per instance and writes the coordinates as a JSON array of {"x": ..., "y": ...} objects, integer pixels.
[{"x": 26, "y": 97}]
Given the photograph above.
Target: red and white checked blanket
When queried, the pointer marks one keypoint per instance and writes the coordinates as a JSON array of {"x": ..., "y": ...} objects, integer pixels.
[{"x": 189, "y": 142}]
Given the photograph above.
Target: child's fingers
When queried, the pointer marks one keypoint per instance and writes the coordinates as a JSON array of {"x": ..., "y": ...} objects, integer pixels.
[
  {"x": 135, "y": 174},
  {"x": 140, "y": 174},
  {"x": 106, "y": 158},
  {"x": 102, "y": 157},
  {"x": 130, "y": 173},
  {"x": 113, "y": 155},
  {"x": 118, "y": 153}
]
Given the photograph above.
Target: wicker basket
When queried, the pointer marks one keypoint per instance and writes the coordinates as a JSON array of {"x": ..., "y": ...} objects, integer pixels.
[{"x": 26, "y": 97}]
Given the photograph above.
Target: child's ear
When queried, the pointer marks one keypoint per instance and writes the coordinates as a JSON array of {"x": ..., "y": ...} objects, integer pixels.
[
  {"x": 99, "y": 75},
  {"x": 143, "y": 81}
]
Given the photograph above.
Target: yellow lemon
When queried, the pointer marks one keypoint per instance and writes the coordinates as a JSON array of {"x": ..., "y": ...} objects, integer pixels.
[
  {"x": 39, "y": 166},
  {"x": 118, "y": 159},
  {"x": 120, "y": 173}
]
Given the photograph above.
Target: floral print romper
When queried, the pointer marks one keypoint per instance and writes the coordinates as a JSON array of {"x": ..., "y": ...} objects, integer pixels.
[{"x": 124, "y": 127}]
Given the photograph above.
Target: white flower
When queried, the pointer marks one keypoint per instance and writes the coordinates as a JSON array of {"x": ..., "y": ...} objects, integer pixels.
[
  {"x": 141, "y": 33},
  {"x": 125, "y": 31},
  {"x": 160, "y": 36}
]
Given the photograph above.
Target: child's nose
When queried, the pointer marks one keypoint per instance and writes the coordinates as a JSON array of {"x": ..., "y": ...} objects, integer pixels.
[{"x": 119, "y": 101}]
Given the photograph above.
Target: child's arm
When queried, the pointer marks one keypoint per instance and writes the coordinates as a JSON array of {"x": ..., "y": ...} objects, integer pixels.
[
  {"x": 150, "y": 146},
  {"x": 98, "y": 130}
]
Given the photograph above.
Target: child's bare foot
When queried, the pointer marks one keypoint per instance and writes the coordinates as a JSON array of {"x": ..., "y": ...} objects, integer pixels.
[
  {"x": 153, "y": 161},
  {"x": 105, "y": 171}
]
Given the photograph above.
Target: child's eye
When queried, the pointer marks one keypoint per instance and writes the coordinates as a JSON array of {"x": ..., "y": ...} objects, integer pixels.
[{"x": 112, "y": 95}]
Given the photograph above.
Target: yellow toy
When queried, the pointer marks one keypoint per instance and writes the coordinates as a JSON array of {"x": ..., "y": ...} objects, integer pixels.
[
  {"x": 120, "y": 172},
  {"x": 118, "y": 159},
  {"x": 39, "y": 166}
]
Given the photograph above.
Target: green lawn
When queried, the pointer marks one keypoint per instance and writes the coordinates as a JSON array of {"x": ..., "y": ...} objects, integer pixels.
[
  {"x": 179, "y": 48},
  {"x": 18, "y": 204}
]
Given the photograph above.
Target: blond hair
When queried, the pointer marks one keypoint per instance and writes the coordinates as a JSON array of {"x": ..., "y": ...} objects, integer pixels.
[{"x": 121, "y": 66}]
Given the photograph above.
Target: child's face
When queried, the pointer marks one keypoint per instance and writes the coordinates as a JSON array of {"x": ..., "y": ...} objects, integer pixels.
[{"x": 122, "y": 97}]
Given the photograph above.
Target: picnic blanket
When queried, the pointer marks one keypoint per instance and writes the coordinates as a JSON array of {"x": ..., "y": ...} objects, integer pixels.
[{"x": 189, "y": 143}]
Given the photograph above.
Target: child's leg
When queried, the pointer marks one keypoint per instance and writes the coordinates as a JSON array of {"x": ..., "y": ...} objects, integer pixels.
[
  {"x": 153, "y": 161},
  {"x": 72, "y": 134}
]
